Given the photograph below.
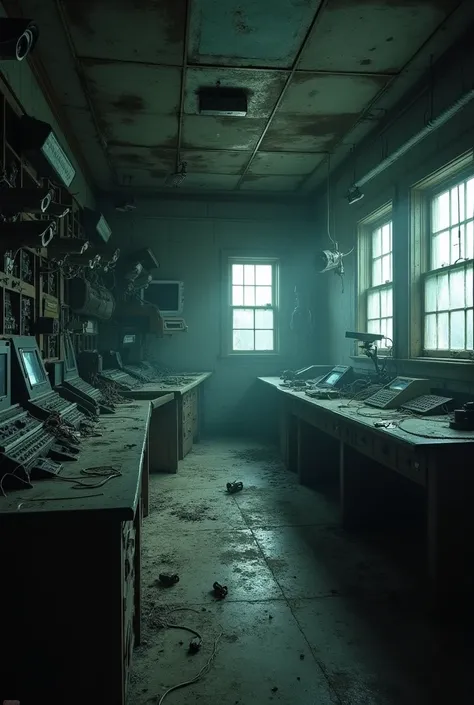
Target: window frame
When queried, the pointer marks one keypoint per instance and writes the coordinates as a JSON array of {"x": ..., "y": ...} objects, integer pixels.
[
  {"x": 366, "y": 228},
  {"x": 423, "y": 195},
  {"x": 274, "y": 262}
]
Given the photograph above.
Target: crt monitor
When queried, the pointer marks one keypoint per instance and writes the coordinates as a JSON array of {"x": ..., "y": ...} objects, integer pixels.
[
  {"x": 167, "y": 295},
  {"x": 70, "y": 365},
  {"x": 5, "y": 400},
  {"x": 33, "y": 367},
  {"x": 332, "y": 378}
]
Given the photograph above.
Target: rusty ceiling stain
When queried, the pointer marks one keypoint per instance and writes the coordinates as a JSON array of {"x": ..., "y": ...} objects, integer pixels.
[
  {"x": 131, "y": 54},
  {"x": 131, "y": 104},
  {"x": 127, "y": 29}
]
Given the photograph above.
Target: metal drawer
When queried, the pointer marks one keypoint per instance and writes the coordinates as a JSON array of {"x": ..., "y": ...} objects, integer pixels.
[
  {"x": 412, "y": 464},
  {"x": 385, "y": 452}
]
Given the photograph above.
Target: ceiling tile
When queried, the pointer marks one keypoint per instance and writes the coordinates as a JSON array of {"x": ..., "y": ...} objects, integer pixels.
[
  {"x": 215, "y": 162},
  {"x": 374, "y": 36},
  {"x": 141, "y": 178},
  {"x": 142, "y": 30},
  {"x": 147, "y": 131},
  {"x": 313, "y": 94},
  {"x": 271, "y": 183},
  {"x": 133, "y": 89},
  {"x": 249, "y": 32},
  {"x": 305, "y": 133},
  {"x": 221, "y": 132},
  {"x": 284, "y": 163},
  {"x": 144, "y": 158},
  {"x": 83, "y": 127},
  {"x": 216, "y": 182},
  {"x": 263, "y": 87}
]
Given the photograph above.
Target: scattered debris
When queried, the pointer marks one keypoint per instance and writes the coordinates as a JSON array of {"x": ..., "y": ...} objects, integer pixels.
[
  {"x": 220, "y": 591},
  {"x": 130, "y": 445},
  {"x": 274, "y": 689},
  {"x": 233, "y": 487},
  {"x": 301, "y": 657},
  {"x": 270, "y": 616},
  {"x": 194, "y": 645},
  {"x": 168, "y": 580}
]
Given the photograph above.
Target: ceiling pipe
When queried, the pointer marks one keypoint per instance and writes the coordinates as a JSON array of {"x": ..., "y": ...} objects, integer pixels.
[{"x": 431, "y": 127}]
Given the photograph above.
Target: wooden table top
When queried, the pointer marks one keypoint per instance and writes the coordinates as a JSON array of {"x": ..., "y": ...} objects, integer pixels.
[
  {"x": 121, "y": 445},
  {"x": 411, "y": 429},
  {"x": 153, "y": 389}
]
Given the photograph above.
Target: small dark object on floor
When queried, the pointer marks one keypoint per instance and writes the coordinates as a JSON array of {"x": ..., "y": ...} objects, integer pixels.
[
  {"x": 168, "y": 580},
  {"x": 270, "y": 616},
  {"x": 220, "y": 591},
  {"x": 181, "y": 643},
  {"x": 301, "y": 657},
  {"x": 274, "y": 689},
  {"x": 233, "y": 487},
  {"x": 298, "y": 678},
  {"x": 194, "y": 645}
]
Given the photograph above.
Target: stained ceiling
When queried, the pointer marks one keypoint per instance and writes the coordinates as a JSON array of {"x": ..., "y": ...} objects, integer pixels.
[{"x": 318, "y": 75}]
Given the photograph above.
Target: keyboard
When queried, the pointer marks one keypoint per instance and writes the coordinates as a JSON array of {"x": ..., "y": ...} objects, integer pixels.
[
  {"x": 53, "y": 403},
  {"x": 84, "y": 387},
  {"x": 120, "y": 378},
  {"x": 141, "y": 375}
]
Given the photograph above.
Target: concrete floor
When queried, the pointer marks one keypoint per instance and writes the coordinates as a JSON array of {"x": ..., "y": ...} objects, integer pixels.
[{"x": 313, "y": 615}]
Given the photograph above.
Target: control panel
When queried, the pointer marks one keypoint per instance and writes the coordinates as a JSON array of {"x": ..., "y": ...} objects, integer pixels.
[
  {"x": 337, "y": 378},
  {"x": 398, "y": 392},
  {"x": 53, "y": 403},
  {"x": 120, "y": 378},
  {"x": 428, "y": 404},
  {"x": 140, "y": 374}
]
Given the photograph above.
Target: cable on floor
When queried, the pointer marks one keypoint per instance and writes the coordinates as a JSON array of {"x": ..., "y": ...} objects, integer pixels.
[{"x": 164, "y": 623}]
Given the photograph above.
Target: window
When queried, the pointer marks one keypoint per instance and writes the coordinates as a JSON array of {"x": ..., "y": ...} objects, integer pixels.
[
  {"x": 448, "y": 280},
  {"x": 253, "y": 284},
  {"x": 376, "y": 277}
]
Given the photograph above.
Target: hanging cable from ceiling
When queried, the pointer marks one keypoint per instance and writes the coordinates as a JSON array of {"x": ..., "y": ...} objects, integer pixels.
[{"x": 332, "y": 259}]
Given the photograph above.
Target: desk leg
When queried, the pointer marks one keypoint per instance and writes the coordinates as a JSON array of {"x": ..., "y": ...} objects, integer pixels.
[
  {"x": 371, "y": 495},
  {"x": 163, "y": 438},
  {"x": 450, "y": 528},
  {"x": 146, "y": 478},
  {"x": 137, "y": 591},
  {"x": 318, "y": 456}
]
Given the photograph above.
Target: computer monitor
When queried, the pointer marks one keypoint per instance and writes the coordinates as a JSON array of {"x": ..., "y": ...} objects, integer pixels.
[
  {"x": 5, "y": 397},
  {"x": 333, "y": 378},
  {"x": 34, "y": 370},
  {"x": 70, "y": 364},
  {"x": 29, "y": 377},
  {"x": 338, "y": 377}
]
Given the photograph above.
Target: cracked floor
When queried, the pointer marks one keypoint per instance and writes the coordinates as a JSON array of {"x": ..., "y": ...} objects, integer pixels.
[{"x": 313, "y": 615}]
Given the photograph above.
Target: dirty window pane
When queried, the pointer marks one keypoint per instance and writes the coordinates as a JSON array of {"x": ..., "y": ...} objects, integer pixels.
[
  {"x": 243, "y": 340},
  {"x": 237, "y": 295},
  {"x": 237, "y": 274},
  {"x": 249, "y": 295},
  {"x": 264, "y": 319},
  {"x": 243, "y": 318},
  {"x": 263, "y": 340},
  {"x": 249, "y": 274},
  {"x": 263, "y": 274}
]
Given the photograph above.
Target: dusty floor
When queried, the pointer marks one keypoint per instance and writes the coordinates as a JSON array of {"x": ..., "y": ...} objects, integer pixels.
[{"x": 313, "y": 615}]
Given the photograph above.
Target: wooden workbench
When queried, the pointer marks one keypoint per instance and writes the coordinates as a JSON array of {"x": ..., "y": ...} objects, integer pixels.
[
  {"x": 71, "y": 572},
  {"x": 189, "y": 406},
  {"x": 321, "y": 438}
]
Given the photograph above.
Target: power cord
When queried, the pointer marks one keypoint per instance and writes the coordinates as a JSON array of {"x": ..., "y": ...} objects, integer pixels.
[{"x": 165, "y": 624}]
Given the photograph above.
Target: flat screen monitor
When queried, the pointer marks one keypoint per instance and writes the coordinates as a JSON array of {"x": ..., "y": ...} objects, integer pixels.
[
  {"x": 399, "y": 384},
  {"x": 332, "y": 379},
  {"x": 167, "y": 295},
  {"x": 69, "y": 355},
  {"x": 3, "y": 374},
  {"x": 33, "y": 367}
]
